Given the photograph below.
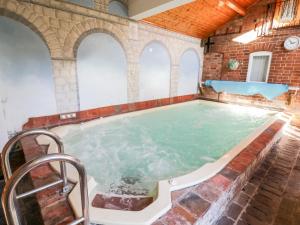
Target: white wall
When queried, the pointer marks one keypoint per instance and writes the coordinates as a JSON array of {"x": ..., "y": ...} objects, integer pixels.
[
  {"x": 26, "y": 81},
  {"x": 102, "y": 72},
  {"x": 155, "y": 69},
  {"x": 189, "y": 73}
]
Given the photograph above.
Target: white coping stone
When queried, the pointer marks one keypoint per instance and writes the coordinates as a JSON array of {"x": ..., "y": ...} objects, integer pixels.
[{"x": 163, "y": 202}]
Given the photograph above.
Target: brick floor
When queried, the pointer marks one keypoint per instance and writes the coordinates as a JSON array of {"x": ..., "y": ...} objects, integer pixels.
[{"x": 272, "y": 196}]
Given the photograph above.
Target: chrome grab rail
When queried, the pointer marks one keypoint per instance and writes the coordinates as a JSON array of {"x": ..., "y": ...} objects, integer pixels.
[
  {"x": 9, "y": 196},
  {"x": 7, "y": 172}
]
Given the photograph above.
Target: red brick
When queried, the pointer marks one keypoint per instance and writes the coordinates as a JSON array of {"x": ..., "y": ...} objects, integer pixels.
[
  {"x": 237, "y": 166},
  {"x": 194, "y": 204},
  {"x": 121, "y": 203},
  {"x": 220, "y": 182},
  {"x": 82, "y": 116},
  {"x": 208, "y": 192}
]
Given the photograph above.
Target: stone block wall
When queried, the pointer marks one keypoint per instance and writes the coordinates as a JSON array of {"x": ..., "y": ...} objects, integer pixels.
[{"x": 62, "y": 26}]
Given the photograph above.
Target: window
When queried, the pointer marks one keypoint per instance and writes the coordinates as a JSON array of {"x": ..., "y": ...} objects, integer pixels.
[
  {"x": 289, "y": 10},
  {"x": 189, "y": 73},
  {"x": 155, "y": 68},
  {"x": 102, "y": 72},
  {"x": 118, "y": 8},
  {"x": 259, "y": 66}
]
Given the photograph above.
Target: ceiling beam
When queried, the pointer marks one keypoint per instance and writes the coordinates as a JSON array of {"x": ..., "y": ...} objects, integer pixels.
[
  {"x": 235, "y": 7},
  {"x": 141, "y": 9}
]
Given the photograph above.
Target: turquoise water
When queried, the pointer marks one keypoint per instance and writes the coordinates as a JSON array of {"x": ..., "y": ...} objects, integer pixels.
[{"x": 130, "y": 155}]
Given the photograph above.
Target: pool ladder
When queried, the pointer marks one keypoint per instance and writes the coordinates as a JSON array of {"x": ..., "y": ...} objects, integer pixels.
[{"x": 9, "y": 196}]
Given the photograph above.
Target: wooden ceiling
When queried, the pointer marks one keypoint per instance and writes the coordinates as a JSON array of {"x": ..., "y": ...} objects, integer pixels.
[{"x": 201, "y": 17}]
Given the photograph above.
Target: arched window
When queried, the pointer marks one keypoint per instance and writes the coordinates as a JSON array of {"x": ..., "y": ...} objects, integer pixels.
[
  {"x": 118, "y": 8},
  {"x": 189, "y": 73},
  {"x": 85, "y": 3},
  {"x": 155, "y": 68},
  {"x": 26, "y": 81},
  {"x": 102, "y": 72}
]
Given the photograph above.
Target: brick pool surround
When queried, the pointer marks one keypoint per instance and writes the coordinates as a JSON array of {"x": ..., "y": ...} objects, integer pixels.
[
  {"x": 164, "y": 201},
  {"x": 107, "y": 111}
]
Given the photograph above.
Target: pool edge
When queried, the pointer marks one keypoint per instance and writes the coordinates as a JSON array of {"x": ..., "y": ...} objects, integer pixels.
[{"x": 163, "y": 202}]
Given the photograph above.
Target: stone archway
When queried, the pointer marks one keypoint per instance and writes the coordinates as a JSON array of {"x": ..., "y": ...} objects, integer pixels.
[
  {"x": 80, "y": 31},
  {"x": 20, "y": 12}
]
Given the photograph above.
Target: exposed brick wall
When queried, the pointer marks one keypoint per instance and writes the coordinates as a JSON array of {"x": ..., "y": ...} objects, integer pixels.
[
  {"x": 212, "y": 68},
  {"x": 285, "y": 66}
]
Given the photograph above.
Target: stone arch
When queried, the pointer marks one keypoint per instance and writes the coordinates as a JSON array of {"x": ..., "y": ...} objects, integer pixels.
[
  {"x": 185, "y": 81},
  {"x": 80, "y": 31},
  {"x": 94, "y": 80},
  {"x": 155, "y": 80},
  {"x": 189, "y": 46},
  {"x": 120, "y": 5},
  {"x": 162, "y": 44},
  {"x": 125, "y": 2},
  {"x": 199, "y": 54},
  {"x": 36, "y": 23},
  {"x": 190, "y": 49},
  {"x": 31, "y": 73}
]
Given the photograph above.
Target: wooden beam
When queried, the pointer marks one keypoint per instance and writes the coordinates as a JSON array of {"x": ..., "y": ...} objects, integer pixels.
[{"x": 235, "y": 7}]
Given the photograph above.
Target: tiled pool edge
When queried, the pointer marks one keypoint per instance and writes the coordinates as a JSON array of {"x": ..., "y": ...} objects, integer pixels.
[
  {"x": 203, "y": 204},
  {"x": 91, "y": 114}
]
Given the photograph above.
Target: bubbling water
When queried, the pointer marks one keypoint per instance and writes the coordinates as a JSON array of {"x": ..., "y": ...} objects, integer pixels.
[{"x": 130, "y": 155}]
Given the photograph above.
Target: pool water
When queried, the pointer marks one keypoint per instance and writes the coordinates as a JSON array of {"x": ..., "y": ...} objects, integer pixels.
[{"x": 131, "y": 154}]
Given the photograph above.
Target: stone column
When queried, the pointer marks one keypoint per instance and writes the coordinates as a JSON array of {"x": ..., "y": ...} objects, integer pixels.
[
  {"x": 66, "y": 87},
  {"x": 133, "y": 82},
  {"x": 174, "y": 79},
  {"x": 101, "y": 5},
  {"x": 133, "y": 63}
]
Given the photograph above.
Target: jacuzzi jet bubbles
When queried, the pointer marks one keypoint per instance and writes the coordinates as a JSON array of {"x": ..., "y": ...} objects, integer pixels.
[
  {"x": 130, "y": 180},
  {"x": 130, "y": 155},
  {"x": 128, "y": 186}
]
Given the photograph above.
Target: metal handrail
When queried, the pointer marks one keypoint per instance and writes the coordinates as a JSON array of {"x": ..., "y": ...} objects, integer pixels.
[
  {"x": 9, "y": 196},
  {"x": 7, "y": 172}
]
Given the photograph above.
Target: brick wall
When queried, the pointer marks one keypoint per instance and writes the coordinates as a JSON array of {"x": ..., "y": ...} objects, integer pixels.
[
  {"x": 212, "y": 70},
  {"x": 285, "y": 66}
]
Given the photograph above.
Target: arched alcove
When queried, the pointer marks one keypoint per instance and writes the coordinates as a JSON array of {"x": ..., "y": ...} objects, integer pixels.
[
  {"x": 189, "y": 72},
  {"x": 118, "y": 8},
  {"x": 155, "y": 69},
  {"x": 26, "y": 77},
  {"x": 102, "y": 71}
]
